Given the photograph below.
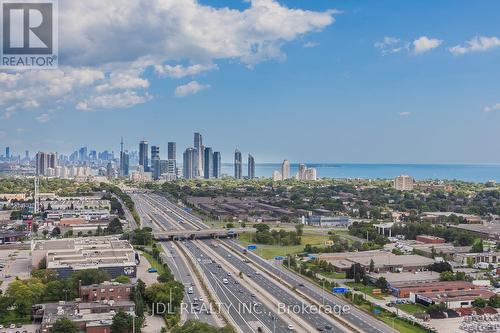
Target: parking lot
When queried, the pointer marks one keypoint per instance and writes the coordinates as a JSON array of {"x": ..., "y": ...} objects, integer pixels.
[
  {"x": 20, "y": 329},
  {"x": 14, "y": 263}
]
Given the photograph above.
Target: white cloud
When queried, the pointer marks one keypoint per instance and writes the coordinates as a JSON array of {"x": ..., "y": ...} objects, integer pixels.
[
  {"x": 425, "y": 44},
  {"x": 309, "y": 45},
  {"x": 404, "y": 114},
  {"x": 107, "y": 46},
  {"x": 491, "y": 108},
  {"x": 179, "y": 71},
  {"x": 390, "y": 45},
  {"x": 190, "y": 88},
  {"x": 44, "y": 118},
  {"x": 476, "y": 44},
  {"x": 113, "y": 101}
]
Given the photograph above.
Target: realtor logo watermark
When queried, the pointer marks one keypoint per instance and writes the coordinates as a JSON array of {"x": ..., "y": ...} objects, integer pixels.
[{"x": 29, "y": 33}]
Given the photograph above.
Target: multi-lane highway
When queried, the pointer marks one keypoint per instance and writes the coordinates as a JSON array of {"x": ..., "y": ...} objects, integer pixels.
[
  {"x": 174, "y": 260},
  {"x": 168, "y": 216}
]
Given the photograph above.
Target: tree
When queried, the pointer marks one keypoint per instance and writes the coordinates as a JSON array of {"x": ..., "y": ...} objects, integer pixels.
[
  {"x": 262, "y": 227},
  {"x": 45, "y": 275},
  {"x": 477, "y": 246},
  {"x": 230, "y": 225},
  {"x": 25, "y": 293},
  {"x": 382, "y": 283},
  {"x": 64, "y": 325},
  {"x": 122, "y": 279},
  {"x": 494, "y": 301},
  {"x": 59, "y": 290},
  {"x": 440, "y": 267},
  {"x": 479, "y": 302},
  {"x": 115, "y": 226},
  {"x": 55, "y": 232},
  {"x": 88, "y": 277},
  {"x": 356, "y": 272},
  {"x": 122, "y": 323},
  {"x": 446, "y": 276},
  {"x": 195, "y": 326},
  {"x": 372, "y": 265},
  {"x": 43, "y": 263},
  {"x": 299, "y": 228}
]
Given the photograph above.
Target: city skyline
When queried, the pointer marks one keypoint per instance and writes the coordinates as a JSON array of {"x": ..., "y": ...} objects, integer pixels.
[{"x": 399, "y": 79}]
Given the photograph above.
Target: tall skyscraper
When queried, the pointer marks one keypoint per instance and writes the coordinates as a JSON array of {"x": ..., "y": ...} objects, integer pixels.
[
  {"x": 189, "y": 163},
  {"x": 83, "y": 154},
  {"x": 143, "y": 155},
  {"x": 171, "y": 151},
  {"x": 41, "y": 163},
  {"x": 27, "y": 154},
  {"x": 155, "y": 162},
  {"x": 198, "y": 146},
  {"x": 251, "y": 167},
  {"x": 208, "y": 168},
  {"x": 285, "y": 170},
  {"x": 124, "y": 164},
  {"x": 155, "y": 152},
  {"x": 217, "y": 165},
  {"x": 238, "y": 164},
  {"x": 45, "y": 162},
  {"x": 7, "y": 153}
]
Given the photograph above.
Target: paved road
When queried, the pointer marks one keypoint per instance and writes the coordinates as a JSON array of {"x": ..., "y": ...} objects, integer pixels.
[
  {"x": 360, "y": 319},
  {"x": 357, "y": 317},
  {"x": 128, "y": 215},
  {"x": 148, "y": 210},
  {"x": 282, "y": 295},
  {"x": 246, "y": 311}
]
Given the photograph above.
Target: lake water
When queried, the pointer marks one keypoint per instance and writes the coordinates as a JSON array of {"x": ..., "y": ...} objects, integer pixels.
[{"x": 466, "y": 172}]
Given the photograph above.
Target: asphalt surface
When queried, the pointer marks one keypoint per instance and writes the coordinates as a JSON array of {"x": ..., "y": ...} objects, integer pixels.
[
  {"x": 178, "y": 218},
  {"x": 247, "y": 312},
  {"x": 284, "y": 296},
  {"x": 172, "y": 259},
  {"x": 355, "y": 316}
]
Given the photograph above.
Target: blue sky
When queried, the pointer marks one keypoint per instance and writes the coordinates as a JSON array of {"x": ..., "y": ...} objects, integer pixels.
[{"x": 329, "y": 95}]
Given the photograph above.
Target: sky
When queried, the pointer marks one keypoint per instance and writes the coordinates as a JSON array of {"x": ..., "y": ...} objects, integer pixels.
[{"x": 374, "y": 81}]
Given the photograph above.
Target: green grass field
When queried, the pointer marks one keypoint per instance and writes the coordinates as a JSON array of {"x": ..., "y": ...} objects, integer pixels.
[
  {"x": 365, "y": 289},
  {"x": 392, "y": 321},
  {"x": 154, "y": 263},
  {"x": 334, "y": 275},
  {"x": 411, "y": 308},
  {"x": 271, "y": 251}
]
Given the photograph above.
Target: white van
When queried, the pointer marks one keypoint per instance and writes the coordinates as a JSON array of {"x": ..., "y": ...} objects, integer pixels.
[
  {"x": 190, "y": 290},
  {"x": 225, "y": 281}
]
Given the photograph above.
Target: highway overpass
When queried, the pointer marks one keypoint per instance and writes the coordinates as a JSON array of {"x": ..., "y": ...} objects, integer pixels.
[{"x": 198, "y": 234}]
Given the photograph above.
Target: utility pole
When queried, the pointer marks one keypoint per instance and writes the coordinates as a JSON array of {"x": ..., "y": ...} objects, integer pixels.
[{"x": 35, "y": 196}]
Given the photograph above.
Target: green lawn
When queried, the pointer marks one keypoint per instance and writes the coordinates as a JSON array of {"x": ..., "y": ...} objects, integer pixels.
[
  {"x": 334, "y": 275},
  {"x": 271, "y": 251},
  {"x": 411, "y": 308},
  {"x": 154, "y": 263},
  {"x": 365, "y": 289},
  {"x": 398, "y": 324}
]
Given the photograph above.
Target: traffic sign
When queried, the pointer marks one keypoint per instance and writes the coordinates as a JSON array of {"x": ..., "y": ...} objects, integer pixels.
[
  {"x": 252, "y": 247},
  {"x": 340, "y": 290}
]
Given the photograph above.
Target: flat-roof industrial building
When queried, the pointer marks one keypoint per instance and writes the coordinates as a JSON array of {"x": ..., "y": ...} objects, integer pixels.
[
  {"x": 383, "y": 261},
  {"x": 108, "y": 253}
]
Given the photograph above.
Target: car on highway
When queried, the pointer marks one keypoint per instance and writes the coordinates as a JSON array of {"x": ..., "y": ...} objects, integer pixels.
[
  {"x": 225, "y": 281},
  {"x": 290, "y": 327},
  {"x": 190, "y": 290}
]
